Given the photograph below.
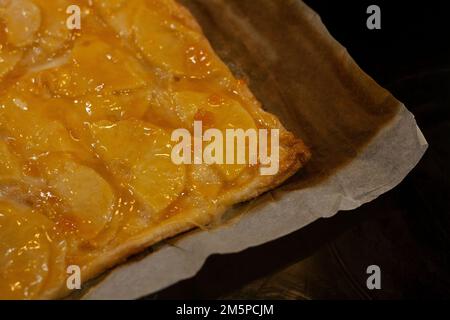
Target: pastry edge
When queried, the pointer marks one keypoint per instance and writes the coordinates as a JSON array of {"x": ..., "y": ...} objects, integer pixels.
[{"x": 294, "y": 159}]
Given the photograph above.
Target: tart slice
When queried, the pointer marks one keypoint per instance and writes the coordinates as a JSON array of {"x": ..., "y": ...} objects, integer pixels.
[{"x": 118, "y": 135}]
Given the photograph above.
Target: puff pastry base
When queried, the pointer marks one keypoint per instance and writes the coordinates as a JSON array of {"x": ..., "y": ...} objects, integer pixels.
[{"x": 85, "y": 123}]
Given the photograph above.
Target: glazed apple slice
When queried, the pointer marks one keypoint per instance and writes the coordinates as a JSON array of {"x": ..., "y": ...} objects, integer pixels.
[
  {"x": 172, "y": 46},
  {"x": 98, "y": 68},
  {"x": 118, "y": 13},
  {"x": 87, "y": 199},
  {"x": 25, "y": 252},
  {"x": 163, "y": 33},
  {"x": 206, "y": 180},
  {"x": 30, "y": 131},
  {"x": 54, "y": 33},
  {"x": 22, "y": 20},
  {"x": 8, "y": 61},
  {"x": 217, "y": 111},
  {"x": 139, "y": 156},
  {"x": 172, "y": 109},
  {"x": 92, "y": 107},
  {"x": 9, "y": 163},
  {"x": 228, "y": 114}
]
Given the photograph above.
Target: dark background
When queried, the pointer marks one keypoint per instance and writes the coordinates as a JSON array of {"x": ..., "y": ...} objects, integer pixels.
[{"x": 407, "y": 231}]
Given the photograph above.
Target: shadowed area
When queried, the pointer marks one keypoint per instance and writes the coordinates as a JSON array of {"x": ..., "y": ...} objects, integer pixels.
[{"x": 299, "y": 75}]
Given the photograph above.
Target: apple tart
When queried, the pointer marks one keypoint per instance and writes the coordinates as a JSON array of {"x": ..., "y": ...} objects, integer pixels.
[{"x": 86, "y": 122}]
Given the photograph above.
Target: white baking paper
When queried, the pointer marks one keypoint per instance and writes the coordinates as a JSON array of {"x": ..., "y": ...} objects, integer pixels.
[{"x": 381, "y": 166}]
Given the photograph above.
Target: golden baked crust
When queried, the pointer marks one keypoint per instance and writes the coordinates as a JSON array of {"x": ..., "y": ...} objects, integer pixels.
[{"x": 86, "y": 118}]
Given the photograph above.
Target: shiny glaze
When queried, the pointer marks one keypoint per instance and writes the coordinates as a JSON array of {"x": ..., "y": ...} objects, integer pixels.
[{"x": 85, "y": 122}]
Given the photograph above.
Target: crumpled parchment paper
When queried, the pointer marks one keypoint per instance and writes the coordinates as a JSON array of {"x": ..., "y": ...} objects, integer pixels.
[{"x": 364, "y": 141}]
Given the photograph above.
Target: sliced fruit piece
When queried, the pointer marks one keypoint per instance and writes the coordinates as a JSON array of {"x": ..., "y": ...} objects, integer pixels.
[
  {"x": 111, "y": 6},
  {"x": 174, "y": 110},
  {"x": 31, "y": 132},
  {"x": 107, "y": 65},
  {"x": 139, "y": 156},
  {"x": 205, "y": 180},
  {"x": 9, "y": 164},
  {"x": 165, "y": 34},
  {"x": 58, "y": 267},
  {"x": 22, "y": 19},
  {"x": 54, "y": 32},
  {"x": 217, "y": 111},
  {"x": 96, "y": 68},
  {"x": 87, "y": 198},
  {"x": 223, "y": 113},
  {"x": 111, "y": 107},
  {"x": 25, "y": 252},
  {"x": 118, "y": 13},
  {"x": 172, "y": 46},
  {"x": 8, "y": 61}
]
